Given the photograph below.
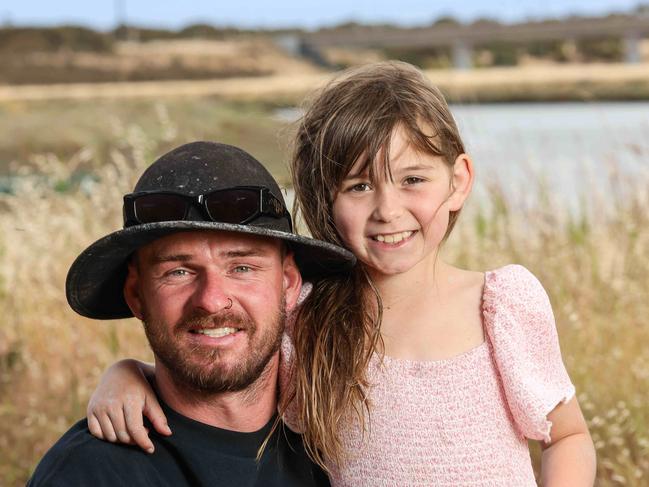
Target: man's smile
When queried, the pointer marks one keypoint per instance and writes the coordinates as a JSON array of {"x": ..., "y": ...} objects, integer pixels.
[{"x": 215, "y": 332}]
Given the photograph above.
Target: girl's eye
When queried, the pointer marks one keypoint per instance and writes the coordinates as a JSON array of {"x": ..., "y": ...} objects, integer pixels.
[
  {"x": 412, "y": 180},
  {"x": 360, "y": 187}
]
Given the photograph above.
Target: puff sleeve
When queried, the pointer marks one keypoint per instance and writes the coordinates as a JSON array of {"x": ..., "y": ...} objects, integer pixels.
[{"x": 520, "y": 327}]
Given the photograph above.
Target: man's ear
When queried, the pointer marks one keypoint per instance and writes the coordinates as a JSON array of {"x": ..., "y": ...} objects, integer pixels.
[
  {"x": 461, "y": 180},
  {"x": 132, "y": 290},
  {"x": 292, "y": 281}
]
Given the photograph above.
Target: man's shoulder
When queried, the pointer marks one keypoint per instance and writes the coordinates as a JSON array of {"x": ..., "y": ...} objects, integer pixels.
[{"x": 78, "y": 458}]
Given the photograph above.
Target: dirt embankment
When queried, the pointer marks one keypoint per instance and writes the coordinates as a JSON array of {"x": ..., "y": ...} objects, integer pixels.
[{"x": 152, "y": 61}]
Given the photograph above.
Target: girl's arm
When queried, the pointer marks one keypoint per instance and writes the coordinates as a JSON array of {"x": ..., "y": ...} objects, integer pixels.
[
  {"x": 116, "y": 407},
  {"x": 569, "y": 459}
]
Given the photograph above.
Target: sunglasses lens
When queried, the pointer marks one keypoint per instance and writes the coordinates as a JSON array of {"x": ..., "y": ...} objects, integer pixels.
[
  {"x": 153, "y": 208},
  {"x": 232, "y": 206}
]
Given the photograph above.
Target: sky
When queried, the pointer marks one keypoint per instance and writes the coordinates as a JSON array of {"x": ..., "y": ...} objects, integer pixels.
[{"x": 103, "y": 14}]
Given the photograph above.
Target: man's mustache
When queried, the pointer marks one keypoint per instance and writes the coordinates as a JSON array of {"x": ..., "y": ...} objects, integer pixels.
[{"x": 198, "y": 320}]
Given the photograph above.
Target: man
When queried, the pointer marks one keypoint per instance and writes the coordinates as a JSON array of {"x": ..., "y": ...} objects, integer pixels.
[{"x": 208, "y": 261}]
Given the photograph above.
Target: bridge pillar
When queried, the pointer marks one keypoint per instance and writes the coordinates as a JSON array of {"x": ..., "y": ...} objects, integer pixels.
[
  {"x": 297, "y": 46},
  {"x": 461, "y": 52},
  {"x": 632, "y": 49},
  {"x": 289, "y": 43}
]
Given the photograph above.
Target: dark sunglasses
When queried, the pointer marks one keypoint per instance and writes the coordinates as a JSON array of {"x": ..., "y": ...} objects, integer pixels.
[{"x": 240, "y": 204}]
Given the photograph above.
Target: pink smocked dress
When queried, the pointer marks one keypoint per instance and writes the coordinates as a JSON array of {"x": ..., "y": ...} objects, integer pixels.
[{"x": 464, "y": 421}]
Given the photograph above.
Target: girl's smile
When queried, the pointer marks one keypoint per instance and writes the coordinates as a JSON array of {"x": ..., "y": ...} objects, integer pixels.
[{"x": 393, "y": 239}]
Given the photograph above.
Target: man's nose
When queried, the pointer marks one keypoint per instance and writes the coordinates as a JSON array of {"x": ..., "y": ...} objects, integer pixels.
[
  {"x": 388, "y": 206},
  {"x": 211, "y": 294}
]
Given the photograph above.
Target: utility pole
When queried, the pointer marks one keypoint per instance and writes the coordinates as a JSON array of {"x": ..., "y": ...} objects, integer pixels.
[{"x": 120, "y": 20}]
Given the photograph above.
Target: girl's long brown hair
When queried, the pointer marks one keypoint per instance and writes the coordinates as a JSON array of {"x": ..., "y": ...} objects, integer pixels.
[{"x": 337, "y": 328}]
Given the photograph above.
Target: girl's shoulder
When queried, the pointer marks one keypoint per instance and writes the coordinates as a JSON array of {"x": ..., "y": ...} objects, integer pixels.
[
  {"x": 513, "y": 290},
  {"x": 511, "y": 283},
  {"x": 515, "y": 306}
]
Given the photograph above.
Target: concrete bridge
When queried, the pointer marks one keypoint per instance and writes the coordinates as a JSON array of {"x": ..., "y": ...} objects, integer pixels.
[{"x": 462, "y": 38}]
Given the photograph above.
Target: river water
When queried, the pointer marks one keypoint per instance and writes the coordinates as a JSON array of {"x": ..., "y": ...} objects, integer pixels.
[{"x": 573, "y": 150}]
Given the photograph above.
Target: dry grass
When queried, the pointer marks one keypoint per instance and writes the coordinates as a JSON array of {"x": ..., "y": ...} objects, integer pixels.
[
  {"x": 536, "y": 82},
  {"x": 269, "y": 88},
  {"x": 546, "y": 82},
  {"x": 595, "y": 269}
]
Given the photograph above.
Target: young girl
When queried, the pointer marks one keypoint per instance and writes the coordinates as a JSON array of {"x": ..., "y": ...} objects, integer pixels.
[{"x": 409, "y": 371}]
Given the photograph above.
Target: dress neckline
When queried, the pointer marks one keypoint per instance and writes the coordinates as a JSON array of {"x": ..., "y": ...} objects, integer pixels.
[{"x": 466, "y": 355}]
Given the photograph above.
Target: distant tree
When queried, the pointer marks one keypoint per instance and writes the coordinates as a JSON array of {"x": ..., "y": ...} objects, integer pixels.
[
  {"x": 206, "y": 31},
  {"x": 501, "y": 53},
  {"x": 350, "y": 25},
  {"x": 552, "y": 50},
  {"x": 606, "y": 49},
  {"x": 202, "y": 31},
  {"x": 446, "y": 20},
  {"x": 425, "y": 58},
  {"x": 485, "y": 22},
  {"x": 132, "y": 32}
]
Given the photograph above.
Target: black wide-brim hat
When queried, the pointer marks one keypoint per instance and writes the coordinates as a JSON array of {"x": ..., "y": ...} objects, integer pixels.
[{"x": 95, "y": 281}]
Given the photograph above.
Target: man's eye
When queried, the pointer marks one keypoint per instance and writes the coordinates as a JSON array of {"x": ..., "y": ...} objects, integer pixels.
[
  {"x": 178, "y": 272},
  {"x": 242, "y": 269}
]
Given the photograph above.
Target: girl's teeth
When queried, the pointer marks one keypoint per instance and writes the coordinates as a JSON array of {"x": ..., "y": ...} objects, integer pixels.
[
  {"x": 393, "y": 238},
  {"x": 216, "y": 332}
]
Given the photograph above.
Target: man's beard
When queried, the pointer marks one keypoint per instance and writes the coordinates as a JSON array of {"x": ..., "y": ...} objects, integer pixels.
[{"x": 206, "y": 375}]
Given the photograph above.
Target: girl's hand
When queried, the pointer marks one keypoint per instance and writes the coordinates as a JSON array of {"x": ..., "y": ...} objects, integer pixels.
[{"x": 116, "y": 407}]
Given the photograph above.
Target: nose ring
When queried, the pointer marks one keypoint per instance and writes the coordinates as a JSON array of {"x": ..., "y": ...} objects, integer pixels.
[{"x": 229, "y": 304}]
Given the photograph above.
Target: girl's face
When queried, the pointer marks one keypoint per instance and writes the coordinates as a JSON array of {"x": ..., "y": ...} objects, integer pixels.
[{"x": 394, "y": 224}]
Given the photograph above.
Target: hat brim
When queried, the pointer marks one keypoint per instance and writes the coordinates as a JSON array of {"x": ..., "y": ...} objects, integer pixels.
[{"x": 95, "y": 281}]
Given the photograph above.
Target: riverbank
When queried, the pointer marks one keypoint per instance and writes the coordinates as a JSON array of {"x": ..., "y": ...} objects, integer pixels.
[{"x": 553, "y": 82}]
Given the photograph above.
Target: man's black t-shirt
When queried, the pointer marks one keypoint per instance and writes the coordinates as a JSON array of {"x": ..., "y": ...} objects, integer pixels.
[{"x": 195, "y": 454}]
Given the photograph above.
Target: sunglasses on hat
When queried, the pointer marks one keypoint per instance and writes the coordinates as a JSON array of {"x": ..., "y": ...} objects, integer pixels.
[{"x": 239, "y": 205}]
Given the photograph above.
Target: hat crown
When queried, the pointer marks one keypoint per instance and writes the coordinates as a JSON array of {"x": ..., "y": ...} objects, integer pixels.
[{"x": 201, "y": 167}]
